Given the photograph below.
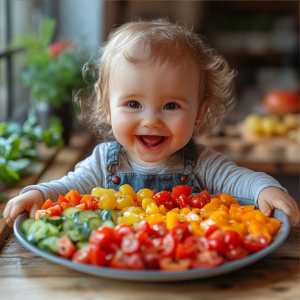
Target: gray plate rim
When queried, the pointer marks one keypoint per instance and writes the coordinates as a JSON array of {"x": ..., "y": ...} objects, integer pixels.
[{"x": 155, "y": 275}]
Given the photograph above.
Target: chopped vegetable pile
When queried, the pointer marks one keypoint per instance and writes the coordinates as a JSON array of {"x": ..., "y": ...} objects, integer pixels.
[{"x": 149, "y": 230}]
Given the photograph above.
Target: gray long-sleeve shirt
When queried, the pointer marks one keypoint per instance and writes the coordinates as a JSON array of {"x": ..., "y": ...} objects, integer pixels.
[{"x": 213, "y": 172}]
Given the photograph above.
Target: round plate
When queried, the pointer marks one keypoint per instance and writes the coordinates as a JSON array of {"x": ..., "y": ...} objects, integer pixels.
[{"x": 149, "y": 275}]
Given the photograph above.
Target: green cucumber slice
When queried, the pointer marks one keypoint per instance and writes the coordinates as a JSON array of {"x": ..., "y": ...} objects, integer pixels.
[
  {"x": 36, "y": 231},
  {"x": 98, "y": 211},
  {"x": 69, "y": 212},
  {"x": 94, "y": 223},
  {"x": 67, "y": 225},
  {"x": 109, "y": 214},
  {"x": 75, "y": 235},
  {"x": 55, "y": 220},
  {"x": 109, "y": 223},
  {"x": 81, "y": 244},
  {"x": 24, "y": 226},
  {"x": 83, "y": 216},
  {"x": 52, "y": 230},
  {"x": 49, "y": 244}
]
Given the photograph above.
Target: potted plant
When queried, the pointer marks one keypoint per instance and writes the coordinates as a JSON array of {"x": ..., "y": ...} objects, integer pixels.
[{"x": 51, "y": 72}]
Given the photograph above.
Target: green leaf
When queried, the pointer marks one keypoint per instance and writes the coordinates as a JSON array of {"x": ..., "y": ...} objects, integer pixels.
[
  {"x": 3, "y": 199},
  {"x": 8, "y": 176}
]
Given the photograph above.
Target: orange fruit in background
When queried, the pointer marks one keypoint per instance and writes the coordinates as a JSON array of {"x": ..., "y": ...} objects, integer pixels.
[{"x": 281, "y": 102}]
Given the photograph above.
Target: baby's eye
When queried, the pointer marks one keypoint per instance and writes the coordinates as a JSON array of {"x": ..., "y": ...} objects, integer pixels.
[
  {"x": 171, "y": 106},
  {"x": 134, "y": 104}
]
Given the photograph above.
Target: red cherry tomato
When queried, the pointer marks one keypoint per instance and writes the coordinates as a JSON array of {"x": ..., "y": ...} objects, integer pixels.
[
  {"x": 231, "y": 239},
  {"x": 255, "y": 242},
  {"x": 183, "y": 201},
  {"x": 130, "y": 244},
  {"x": 180, "y": 231},
  {"x": 103, "y": 237},
  {"x": 237, "y": 252},
  {"x": 168, "y": 264},
  {"x": 163, "y": 197},
  {"x": 123, "y": 229},
  {"x": 135, "y": 262},
  {"x": 157, "y": 243},
  {"x": 119, "y": 260},
  {"x": 181, "y": 190},
  {"x": 48, "y": 203},
  {"x": 65, "y": 247},
  {"x": 143, "y": 227},
  {"x": 210, "y": 229},
  {"x": 184, "y": 251},
  {"x": 198, "y": 243},
  {"x": 55, "y": 210},
  {"x": 207, "y": 259},
  {"x": 168, "y": 246},
  {"x": 216, "y": 242},
  {"x": 198, "y": 201},
  {"x": 206, "y": 195},
  {"x": 159, "y": 230},
  {"x": 150, "y": 257},
  {"x": 97, "y": 256},
  {"x": 217, "y": 195},
  {"x": 82, "y": 255}
]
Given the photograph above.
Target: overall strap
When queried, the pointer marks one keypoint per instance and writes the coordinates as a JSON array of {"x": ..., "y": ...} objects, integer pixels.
[
  {"x": 112, "y": 155},
  {"x": 189, "y": 154}
]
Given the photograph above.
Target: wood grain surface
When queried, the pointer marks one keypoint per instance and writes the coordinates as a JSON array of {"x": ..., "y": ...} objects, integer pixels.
[{"x": 25, "y": 275}]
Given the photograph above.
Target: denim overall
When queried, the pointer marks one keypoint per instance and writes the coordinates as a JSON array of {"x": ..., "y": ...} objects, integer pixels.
[{"x": 158, "y": 182}]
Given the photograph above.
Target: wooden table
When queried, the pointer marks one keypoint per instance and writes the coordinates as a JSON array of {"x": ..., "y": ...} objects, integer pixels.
[{"x": 25, "y": 275}]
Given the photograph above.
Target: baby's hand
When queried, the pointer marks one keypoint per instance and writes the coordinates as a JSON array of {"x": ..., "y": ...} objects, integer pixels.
[
  {"x": 30, "y": 201},
  {"x": 273, "y": 197}
]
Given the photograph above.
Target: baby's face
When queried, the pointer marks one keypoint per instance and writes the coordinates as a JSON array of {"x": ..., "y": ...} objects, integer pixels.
[{"x": 153, "y": 110}]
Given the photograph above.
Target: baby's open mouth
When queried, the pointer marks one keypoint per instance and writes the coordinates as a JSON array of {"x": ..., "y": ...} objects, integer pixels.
[{"x": 151, "y": 140}]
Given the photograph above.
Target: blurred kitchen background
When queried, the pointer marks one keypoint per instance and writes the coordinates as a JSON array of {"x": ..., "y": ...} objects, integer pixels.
[{"x": 260, "y": 39}]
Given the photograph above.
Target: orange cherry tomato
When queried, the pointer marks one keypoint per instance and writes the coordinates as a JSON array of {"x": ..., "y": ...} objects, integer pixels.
[
  {"x": 75, "y": 197},
  {"x": 48, "y": 203}
]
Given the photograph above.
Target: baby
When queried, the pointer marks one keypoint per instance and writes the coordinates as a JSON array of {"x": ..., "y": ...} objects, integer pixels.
[{"x": 158, "y": 85}]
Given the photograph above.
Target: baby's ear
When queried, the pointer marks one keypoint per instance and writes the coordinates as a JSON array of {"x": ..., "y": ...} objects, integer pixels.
[{"x": 201, "y": 113}]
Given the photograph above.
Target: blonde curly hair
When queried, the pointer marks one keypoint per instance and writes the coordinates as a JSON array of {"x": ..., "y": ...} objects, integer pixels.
[{"x": 158, "y": 42}]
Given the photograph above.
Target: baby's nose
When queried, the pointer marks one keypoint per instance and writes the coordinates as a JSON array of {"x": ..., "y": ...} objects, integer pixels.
[{"x": 151, "y": 120}]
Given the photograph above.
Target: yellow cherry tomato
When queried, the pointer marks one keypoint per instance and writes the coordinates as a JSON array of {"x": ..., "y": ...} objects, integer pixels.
[
  {"x": 124, "y": 201},
  {"x": 152, "y": 209},
  {"x": 146, "y": 202},
  {"x": 99, "y": 192},
  {"x": 107, "y": 202},
  {"x": 144, "y": 193},
  {"x": 128, "y": 190},
  {"x": 162, "y": 210}
]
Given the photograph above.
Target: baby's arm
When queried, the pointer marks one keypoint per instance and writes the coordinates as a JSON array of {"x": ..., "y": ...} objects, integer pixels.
[
  {"x": 30, "y": 201},
  {"x": 273, "y": 197},
  {"x": 221, "y": 174},
  {"x": 87, "y": 175}
]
